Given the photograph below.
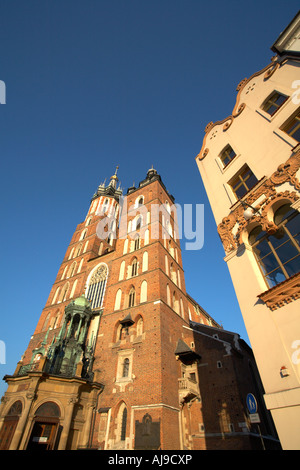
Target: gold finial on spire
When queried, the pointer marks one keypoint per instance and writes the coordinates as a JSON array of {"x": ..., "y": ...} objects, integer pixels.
[{"x": 115, "y": 175}]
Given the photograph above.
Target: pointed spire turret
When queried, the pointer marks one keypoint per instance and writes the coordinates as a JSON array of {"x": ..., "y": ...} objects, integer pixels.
[
  {"x": 114, "y": 179},
  {"x": 111, "y": 189}
]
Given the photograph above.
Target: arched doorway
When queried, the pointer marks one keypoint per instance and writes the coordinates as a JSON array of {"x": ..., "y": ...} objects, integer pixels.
[
  {"x": 45, "y": 427},
  {"x": 9, "y": 425}
]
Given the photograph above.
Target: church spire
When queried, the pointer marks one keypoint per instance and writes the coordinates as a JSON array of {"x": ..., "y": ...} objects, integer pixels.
[
  {"x": 114, "y": 179},
  {"x": 111, "y": 189}
]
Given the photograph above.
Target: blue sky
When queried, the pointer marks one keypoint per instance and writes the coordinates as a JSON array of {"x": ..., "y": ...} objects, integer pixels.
[{"x": 94, "y": 84}]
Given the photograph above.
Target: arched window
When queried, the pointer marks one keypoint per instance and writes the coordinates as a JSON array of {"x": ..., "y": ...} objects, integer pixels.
[
  {"x": 145, "y": 261},
  {"x": 144, "y": 291},
  {"x": 146, "y": 236},
  {"x": 138, "y": 223},
  {"x": 123, "y": 425},
  {"x": 118, "y": 300},
  {"x": 78, "y": 250},
  {"x": 80, "y": 265},
  {"x": 64, "y": 292},
  {"x": 71, "y": 253},
  {"x": 176, "y": 303},
  {"x": 122, "y": 271},
  {"x": 125, "y": 371},
  {"x": 173, "y": 274},
  {"x": 73, "y": 289},
  {"x": 96, "y": 286},
  {"x": 105, "y": 205},
  {"x": 46, "y": 322},
  {"x": 55, "y": 295},
  {"x": 140, "y": 201},
  {"x": 168, "y": 295},
  {"x": 83, "y": 235},
  {"x": 64, "y": 273},
  {"x": 72, "y": 269},
  {"x": 134, "y": 267},
  {"x": 131, "y": 299},
  {"x": 125, "y": 248},
  {"x": 137, "y": 243},
  {"x": 139, "y": 327},
  {"x": 278, "y": 255}
]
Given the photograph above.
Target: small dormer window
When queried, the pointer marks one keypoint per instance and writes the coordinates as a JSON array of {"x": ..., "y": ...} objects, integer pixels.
[
  {"x": 292, "y": 127},
  {"x": 243, "y": 181},
  {"x": 274, "y": 102},
  {"x": 227, "y": 155}
]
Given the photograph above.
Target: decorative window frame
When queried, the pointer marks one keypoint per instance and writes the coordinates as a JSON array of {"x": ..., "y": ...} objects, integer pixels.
[
  {"x": 122, "y": 355},
  {"x": 234, "y": 229}
]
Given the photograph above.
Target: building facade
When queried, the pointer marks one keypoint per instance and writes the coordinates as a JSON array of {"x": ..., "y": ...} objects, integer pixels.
[
  {"x": 249, "y": 163},
  {"x": 122, "y": 357}
]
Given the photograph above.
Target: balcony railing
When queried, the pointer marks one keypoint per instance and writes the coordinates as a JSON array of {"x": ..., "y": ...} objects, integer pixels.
[
  {"x": 188, "y": 386},
  {"x": 65, "y": 371}
]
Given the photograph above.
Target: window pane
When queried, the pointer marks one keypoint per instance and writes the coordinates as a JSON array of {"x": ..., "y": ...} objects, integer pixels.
[
  {"x": 293, "y": 266},
  {"x": 275, "y": 277},
  {"x": 243, "y": 182},
  {"x": 269, "y": 263},
  {"x": 274, "y": 102},
  {"x": 293, "y": 127},
  {"x": 250, "y": 179},
  {"x": 227, "y": 155},
  {"x": 282, "y": 213},
  {"x": 293, "y": 225},
  {"x": 241, "y": 191},
  {"x": 287, "y": 252},
  {"x": 262, "y": 249},
  {"x": 254, "y": 234},
  {"x": 279, "y": 238}
]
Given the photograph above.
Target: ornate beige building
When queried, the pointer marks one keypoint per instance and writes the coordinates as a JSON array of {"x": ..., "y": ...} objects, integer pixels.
[{"x": 249, "y": 163}]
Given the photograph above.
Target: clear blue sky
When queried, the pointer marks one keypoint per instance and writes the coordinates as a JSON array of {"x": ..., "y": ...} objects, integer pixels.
[{"x": 93, "y": 84}]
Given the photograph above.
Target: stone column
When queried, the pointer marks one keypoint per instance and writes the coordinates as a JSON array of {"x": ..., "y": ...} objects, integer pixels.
[
  {"x": 87, "y": 427},
  {"x": 67, "y": 423},
  {"x": 14, "y": 445}
]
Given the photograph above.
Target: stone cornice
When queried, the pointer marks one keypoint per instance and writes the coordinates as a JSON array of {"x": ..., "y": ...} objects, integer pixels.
[{"x": 282, "y": 294}]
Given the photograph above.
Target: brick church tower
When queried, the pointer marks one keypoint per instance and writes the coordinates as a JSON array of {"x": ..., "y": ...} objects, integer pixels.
[{"x": 122, "y": 357}]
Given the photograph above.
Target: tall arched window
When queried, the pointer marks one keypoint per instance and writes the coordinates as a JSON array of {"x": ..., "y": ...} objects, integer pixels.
[
  {"x": 145, "y": 261},
  {"x": 123, "y": 425},
  {"x": 83, "y": 235},
  {"x": 72, "y": 269},
  {"x": 118, "y": 300},
  {"x": 125, "y": 248},
  {"x": 138, "y": 223},
  {"x": 137, "y": 243},
  {"x": 144, "y": 291},
  {"x": 131, "y": 299},
  {"x": 55, "y": 295},
  {"x": 96, "y": 286},
  {"x": 64, "y": 293},
  {"x": 125, "y": 371},
  {"x": 134, "y": 267},
  {"x": 146, "y": 236},
  {"x": 78, "y": 250},
  {"x": 122, "y": 271},
  {"x": 73, "y": 289},
  {"x": 105, "y": 205},
  {"x": 139, "y": 326},
  {"x": 278, "y": 255}
]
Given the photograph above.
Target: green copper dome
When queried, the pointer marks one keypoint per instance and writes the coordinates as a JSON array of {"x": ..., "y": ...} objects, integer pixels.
[{"x": 82, "y": 301}]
